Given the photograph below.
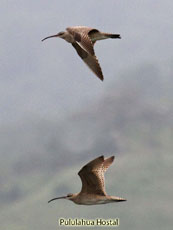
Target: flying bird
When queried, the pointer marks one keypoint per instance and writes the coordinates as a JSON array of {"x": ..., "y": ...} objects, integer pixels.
[
  {"x": 83, "y": 39},
  {"x": 93, "y": 184}
]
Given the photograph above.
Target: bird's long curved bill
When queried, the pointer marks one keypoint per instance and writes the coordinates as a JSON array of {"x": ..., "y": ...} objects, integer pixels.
[
  {"x": 52, "y": 36},
  {"x": 61, "y": 197}
]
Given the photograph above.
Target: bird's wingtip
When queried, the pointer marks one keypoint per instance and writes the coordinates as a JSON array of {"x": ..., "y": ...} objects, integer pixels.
[
  {"x": 102, "y": 79},
  {"x": 113, "y": 157}
]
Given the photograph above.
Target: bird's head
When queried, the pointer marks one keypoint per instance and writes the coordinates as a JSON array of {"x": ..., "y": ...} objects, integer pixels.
[
  {"x": 69, "y": 196},
  {"x": 60, "y": 35}
]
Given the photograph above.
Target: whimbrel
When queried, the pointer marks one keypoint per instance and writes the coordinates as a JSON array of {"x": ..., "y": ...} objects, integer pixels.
[
  {"x": 93, "y": 188},
  {"x": 83, "y": 39}
]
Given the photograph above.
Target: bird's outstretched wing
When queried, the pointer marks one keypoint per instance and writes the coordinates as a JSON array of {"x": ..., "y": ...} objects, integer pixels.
[
  {"x": 92, "y": 175},
  {"x": 90, "y": 60},
  {"x": 81, "y": 36}
]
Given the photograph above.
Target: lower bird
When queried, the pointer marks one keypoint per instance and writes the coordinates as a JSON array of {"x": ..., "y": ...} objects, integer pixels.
[
  {"x": 93, "y": 187},
  {"x": 83, "y": 39}
]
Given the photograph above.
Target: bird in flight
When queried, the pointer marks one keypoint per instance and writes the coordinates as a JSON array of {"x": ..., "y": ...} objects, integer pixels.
[
  {"x": 83, "y": 39},
  {"x": 93, "y": 184}
]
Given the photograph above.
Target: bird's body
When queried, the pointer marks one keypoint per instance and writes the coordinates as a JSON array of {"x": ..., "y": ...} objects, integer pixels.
[
  {"x": 83, "y": 39},
  {"x": 93, "y": 188},
  {"x": 90, "y": 199}
]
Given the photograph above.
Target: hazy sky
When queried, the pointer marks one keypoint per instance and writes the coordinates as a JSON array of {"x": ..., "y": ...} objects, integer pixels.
[
  {"x": 41, "y": 82},
  {"x": 49, "y": 79}
]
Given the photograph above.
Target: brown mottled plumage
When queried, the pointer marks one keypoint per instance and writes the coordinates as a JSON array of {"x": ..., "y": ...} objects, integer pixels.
[
  {"x": 83, "y": 39},
  {"x": 93, "y": 187}
]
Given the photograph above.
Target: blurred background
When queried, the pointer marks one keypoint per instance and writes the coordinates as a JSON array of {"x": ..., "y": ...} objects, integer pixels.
[{"x": 55, "y": 115}]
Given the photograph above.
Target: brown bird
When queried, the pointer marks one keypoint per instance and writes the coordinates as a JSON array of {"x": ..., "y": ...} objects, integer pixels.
[
  {"x": 83, "y": 39},
  {"x": 93, "y": 186}
]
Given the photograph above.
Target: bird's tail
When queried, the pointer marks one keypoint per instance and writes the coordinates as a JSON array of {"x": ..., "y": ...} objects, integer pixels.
[
  {"x": 117, "y": 199},
  {"x": 113, "y": 35}
]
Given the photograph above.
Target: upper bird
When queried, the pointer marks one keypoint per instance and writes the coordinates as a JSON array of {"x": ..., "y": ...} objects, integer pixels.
[
  {"x": 93, "y": 186},
  {"x": 83, "y": 39}
]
